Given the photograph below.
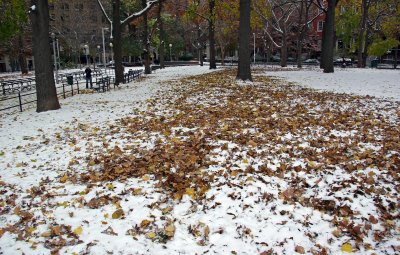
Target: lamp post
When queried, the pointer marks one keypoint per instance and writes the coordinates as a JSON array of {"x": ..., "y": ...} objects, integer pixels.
[
  {"x": 111, "y": 48},
  {"x": 170, "y": 55},
  {"x": 254, "y": 47},
  {"x": 104, "y": 49},
  {"x": 97, "y": 52},
  {"x": 86, "y": 47},
  {"x": 53, "y": 36}
]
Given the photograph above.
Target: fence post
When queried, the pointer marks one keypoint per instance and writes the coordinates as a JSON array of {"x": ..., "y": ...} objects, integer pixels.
[
  {"x": 20, "y": 101},
  {"x": 77, "y": 85},
  {"x": 63, "y": 89},
  {"x": 72, "y": 89}
]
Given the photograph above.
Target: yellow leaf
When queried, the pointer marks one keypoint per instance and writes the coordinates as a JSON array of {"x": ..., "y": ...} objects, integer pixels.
[
  {"x": 144, "y": 223},
  {"x": 2, "y": 153},
  {"x": 118, "y": 214},
  {"x": 146, "y": 177},
  {"x": 65, "y": 204},
  {"x": 106, "y": 215},
  {"x": 2, "y": 231},
  {"x": 170, "y": 230},
  {"x": 78, "y": 231},
  {"x": 151, "y": 235},
  {"x": 190, "y": 192},
  {"x": 92, "y": 163},
  {"x": 347, "y": 248},
  {"x": 110, "y": 186},
  {"x": 46, "y": 234},
  {"x": 245, "y": 161},
  {"x": 64, "y": 179},
  {"x": 137, "y": 191},
  {"x": 19, "y": 165}
]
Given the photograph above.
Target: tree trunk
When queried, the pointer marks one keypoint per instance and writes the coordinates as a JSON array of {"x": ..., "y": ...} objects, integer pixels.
[
  {"x": 361, "y": 35},
  {"x": 22, "y": 56},
  {"x": 244, "y": 71},
  {"x": 162, "y": 35},
  {"x": 366, "y": 45},
  {"x": 117, "y": 46},
  {"x": 329, "y": 38},
  {"x": 146, "y": 42},
  {"x": 284, "y": 51},
  {"x": 211, "y": 33},
  {"x": 45, "y": 87},
  {"x": 222, "y": 55}
]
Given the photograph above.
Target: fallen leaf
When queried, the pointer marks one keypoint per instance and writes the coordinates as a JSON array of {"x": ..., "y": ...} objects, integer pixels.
[
  {"x": 64, "y": 179},
  {"x": 299, "y": 249},
  {"x": 151, "y": 235},
  {"x": 170, "y": 230},
  {"x": 144, "y": 223},
  {"x": 78, "y": 231},
  {"x": 118, "y": 214},
  {"x": 347, "y": 248}
]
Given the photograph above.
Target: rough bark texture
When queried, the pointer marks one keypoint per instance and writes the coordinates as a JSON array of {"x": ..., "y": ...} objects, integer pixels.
[
  {"x": 161, "y": 35},
  {"x": 146, "y": 42},
  {"x": 361, "y": 35},
  {"x": 200, "y": 46},
  {"x": 45, "y": 87},
  {"x": 244, "y": 71},
  {"x": 117, "y": 46},
  {"x": 329, "y": 38},
  {"x": 211, "y": 33}
]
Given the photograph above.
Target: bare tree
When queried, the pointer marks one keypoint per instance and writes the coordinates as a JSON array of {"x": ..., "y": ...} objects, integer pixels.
[
  {"x": 278, "y": 21},
  {"x": 45, "y": 87},
  {"x": 117, "y": 24}
]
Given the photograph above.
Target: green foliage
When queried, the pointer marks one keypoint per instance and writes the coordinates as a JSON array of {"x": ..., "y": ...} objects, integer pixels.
[
  {"x": 379, "y": 48},
  {"x": 131, "y": 46},
  {"x": 13, "y": 16},
  {"x": 347, "y": 23}
]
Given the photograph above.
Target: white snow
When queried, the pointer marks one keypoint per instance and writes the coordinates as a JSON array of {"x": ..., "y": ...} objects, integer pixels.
[
  {"x": 381, "y": 83},
  {"x": 37, "y": 149}
]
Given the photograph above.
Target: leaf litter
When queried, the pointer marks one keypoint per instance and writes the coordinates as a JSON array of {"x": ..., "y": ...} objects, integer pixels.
[{"x": 214, "y": 165}]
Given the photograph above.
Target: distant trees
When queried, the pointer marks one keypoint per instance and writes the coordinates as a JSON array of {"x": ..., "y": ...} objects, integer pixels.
[
  {"x": 13, "y": 26},
  {"x": 118, "y": 22}
]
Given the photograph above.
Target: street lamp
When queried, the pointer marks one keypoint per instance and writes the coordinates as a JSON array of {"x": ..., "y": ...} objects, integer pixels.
[
  {"x": 112, "y": 57},
  {"x": 254, "y": 47},
  {"x": 104, "y": 49},
  {"x": 97, "y": 52},
  {"x": 86, "y": 47},
  {"x": 170, "y": 55},
  {"x": 53, "y": 36}
]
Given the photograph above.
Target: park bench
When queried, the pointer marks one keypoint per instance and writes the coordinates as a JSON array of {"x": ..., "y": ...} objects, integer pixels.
[
  {"x": 17, "y": 85},
  {"x": 102, "y": 84}
]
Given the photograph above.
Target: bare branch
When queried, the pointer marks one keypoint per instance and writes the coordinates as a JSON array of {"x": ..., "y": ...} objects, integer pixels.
[{"x": 104, "y": 11}]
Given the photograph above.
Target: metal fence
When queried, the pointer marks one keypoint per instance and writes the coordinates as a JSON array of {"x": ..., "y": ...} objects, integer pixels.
[{"x": 20, "y": 99}]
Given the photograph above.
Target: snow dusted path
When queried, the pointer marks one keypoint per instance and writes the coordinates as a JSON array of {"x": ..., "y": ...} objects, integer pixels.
[
  {"x": 366, "y": 82},
  {"x": 204, "y": 165}
]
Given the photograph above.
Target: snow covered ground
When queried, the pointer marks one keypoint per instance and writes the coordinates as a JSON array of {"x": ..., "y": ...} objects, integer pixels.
[
  {"x": 174, "y": 164},
  {"x": 366, "y": 82}
]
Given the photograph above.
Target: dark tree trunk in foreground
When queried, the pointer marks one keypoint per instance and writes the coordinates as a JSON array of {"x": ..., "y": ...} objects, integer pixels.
[
  {"x": 244, "y": 71},
  {"x": 162, "y": 35},
  {"x": 146, "y": 42},
  {"x": 211, "y": 33},
  {"x": 45, "y": 87},
  {"x": 329, "y": 38},
  {"x": 117, "y": 46}
]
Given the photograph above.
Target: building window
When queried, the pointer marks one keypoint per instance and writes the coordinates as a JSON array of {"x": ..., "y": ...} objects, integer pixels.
[{"x": 320, "y": 27}]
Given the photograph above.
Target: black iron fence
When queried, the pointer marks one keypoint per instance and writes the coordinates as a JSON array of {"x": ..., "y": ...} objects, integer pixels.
[{"x": 21, "y": 97}]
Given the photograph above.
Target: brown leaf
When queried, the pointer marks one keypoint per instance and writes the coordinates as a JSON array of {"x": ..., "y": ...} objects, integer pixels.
[{"x": 299, "y": 249}]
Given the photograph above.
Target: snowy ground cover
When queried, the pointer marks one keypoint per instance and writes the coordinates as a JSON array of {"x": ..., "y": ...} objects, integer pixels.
[
  {"x": 365, "y": 82},
  {"x": 203, "y": 165}
]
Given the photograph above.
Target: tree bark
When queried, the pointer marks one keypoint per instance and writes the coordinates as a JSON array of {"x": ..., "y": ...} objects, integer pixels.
[
  {"x": 200, "y": 46},
  {"x": 146, "y": 42},
  {"x": 244, "y": 71},
  {"x": 329, "y": 38},
  {"x": 161, "y": 35},
  {"x": 117, "y": 45},
  {"x": 45, "y": 86},
  {"x": 22, "y": 56},
  {"x": 211, "y": 33},
  {"x": 361, "y": 35}
]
